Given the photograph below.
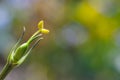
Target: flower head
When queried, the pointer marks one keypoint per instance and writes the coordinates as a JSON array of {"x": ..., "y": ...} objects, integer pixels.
[{"x": 20, "y": 52}]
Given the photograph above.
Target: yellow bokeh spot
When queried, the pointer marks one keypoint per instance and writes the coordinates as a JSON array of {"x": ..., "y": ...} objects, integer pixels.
[
  {"x": 86, "y": 13},
  {"x": 98, "y": 24}
]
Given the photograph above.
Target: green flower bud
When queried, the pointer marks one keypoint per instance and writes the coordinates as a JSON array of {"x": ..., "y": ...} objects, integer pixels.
[{"x": 20, "y": 52}]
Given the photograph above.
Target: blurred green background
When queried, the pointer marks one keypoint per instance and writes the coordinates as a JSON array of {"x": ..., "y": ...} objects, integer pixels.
[{"x": 83, "y": 44}]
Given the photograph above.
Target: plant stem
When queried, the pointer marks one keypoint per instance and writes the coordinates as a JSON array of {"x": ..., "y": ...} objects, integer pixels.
[{"x": 7, "y": 68}]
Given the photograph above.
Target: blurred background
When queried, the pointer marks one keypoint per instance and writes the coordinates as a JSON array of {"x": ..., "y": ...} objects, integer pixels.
[{"x": 83, "y": 44}]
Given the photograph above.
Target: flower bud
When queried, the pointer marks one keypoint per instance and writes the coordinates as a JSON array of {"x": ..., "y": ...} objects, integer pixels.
[{"x": 20, "y": 52}]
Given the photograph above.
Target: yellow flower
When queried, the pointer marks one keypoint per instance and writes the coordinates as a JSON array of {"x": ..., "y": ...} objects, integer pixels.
[{"x": 41, "y": 27}]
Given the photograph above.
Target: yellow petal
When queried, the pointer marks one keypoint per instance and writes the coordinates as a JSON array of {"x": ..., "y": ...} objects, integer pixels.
[
  {"x": 41, "y": 24},
  {"x": 45, "y": 31}
]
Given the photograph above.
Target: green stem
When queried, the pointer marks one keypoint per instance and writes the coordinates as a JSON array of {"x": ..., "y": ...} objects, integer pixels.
[
  {"x": 32, "y": 37},
  {"x": 7, "y": 68}
]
